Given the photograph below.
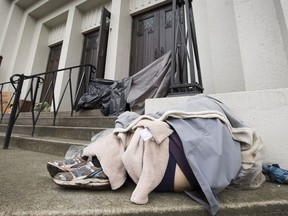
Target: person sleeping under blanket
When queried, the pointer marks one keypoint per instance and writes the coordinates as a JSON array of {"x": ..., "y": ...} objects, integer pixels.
[{"x": 199, "y": 148}]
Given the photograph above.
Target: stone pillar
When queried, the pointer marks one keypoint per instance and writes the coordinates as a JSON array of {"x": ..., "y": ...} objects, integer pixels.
[
  {"x": 70, "y": 53},
  {"x": 224, "y": 47},
  {"x": 118, "y": 50},
  {"x": 9, "y": 41},
  {"x": 261, "y": 44},
  {"x": 282, "y": 12},
  {"x": 5, "y": 15},
  {"x": 204, "y": 48}
]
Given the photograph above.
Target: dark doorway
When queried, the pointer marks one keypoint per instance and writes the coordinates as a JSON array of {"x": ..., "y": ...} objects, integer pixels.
[
  {"x": 49, "y": 79},
  {"x": 90, "y": 49},
  {"x": 151, "y": 37},
  {"x": 94, "y": 52}
]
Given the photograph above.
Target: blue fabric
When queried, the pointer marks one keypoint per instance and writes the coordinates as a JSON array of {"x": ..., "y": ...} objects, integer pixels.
[
  {"x": 167, "y": 183},
  {"x": 275, "y": 173},
  {"x": 176, "y": 149},
  {"x": 176, "y": 156}
]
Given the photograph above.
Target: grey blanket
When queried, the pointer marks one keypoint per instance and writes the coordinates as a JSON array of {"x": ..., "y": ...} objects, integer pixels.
[{"x": 115, "y": 96}]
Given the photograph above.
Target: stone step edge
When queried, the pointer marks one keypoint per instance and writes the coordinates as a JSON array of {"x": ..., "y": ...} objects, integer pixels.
[
  {"x": 47, "y": 145},
  {"x": 56, "y": 126}
]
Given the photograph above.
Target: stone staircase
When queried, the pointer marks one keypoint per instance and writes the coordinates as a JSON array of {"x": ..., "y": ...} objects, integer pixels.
[
  {"x": 27, "y": 188},
  {"x": 56, "y": 140}
]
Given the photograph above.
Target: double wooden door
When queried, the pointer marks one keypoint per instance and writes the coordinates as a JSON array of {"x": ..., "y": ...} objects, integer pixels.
[{"x": 151, "y": 37}]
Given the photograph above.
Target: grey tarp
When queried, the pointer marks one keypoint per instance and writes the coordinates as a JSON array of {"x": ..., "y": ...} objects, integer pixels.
[{"x": 114, "y": 95}]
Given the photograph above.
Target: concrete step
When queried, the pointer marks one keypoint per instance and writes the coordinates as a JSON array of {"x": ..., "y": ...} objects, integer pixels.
[
  {"x": 56, "y": 139},
  {"x": 27, "y": 189},
  {"x": 34, "y": 193},
  {"x": 88, "y": 121},
  {"x": 76, "y": 133},
  {"x": 88, "y": 112},
  {"x": 48, "y": 145}
]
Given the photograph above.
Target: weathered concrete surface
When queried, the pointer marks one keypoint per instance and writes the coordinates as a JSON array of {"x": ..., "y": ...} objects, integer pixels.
[{"x": 27, "y": 189}]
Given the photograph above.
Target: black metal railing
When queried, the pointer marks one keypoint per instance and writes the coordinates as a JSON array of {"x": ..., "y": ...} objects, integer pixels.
[
  {"x": 185, "y": 68},
  {"x": 5, "y": 99},
  {"x": 34, "y": 84}
]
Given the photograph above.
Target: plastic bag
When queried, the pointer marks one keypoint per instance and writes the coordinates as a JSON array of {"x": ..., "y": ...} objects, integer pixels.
[
  {"x": 250, "y": 178},
  {"x": 115, "y": 96},
  {"x": 74, "y": 151}
]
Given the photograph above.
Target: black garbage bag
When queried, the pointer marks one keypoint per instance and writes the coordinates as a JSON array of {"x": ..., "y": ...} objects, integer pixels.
[
  {"x": 98, "y": 91},
  {"x": 117, "y": 99},
  {"x": 114, "y": 96},
  {"x": 110, "y": 95}
]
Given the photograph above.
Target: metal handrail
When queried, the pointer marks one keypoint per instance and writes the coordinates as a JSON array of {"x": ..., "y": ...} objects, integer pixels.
[
  {"x": 4, "y": 109},
  {"x": 36, "y": 80},
  {"x": 185, "y": 66}
]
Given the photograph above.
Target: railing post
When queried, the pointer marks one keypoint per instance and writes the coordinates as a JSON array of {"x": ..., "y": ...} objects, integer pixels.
[
  {"x": 1, "y": 103},
  {"x": 12, "y": 118},
  {"x": 185, "y": 67},
  {"x": 17, "y": 92}
]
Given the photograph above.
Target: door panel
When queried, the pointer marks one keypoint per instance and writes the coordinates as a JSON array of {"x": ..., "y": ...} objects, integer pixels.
[
  {"x": 94, "y": 52},
  {"x": 145, "y": 39},
  {"x": 166, "y": 36},
  {"x": 95, "y": 45},
  {"x": 90, "y": 48},
  {"x": 89, "y": 56},
  {"x": 151, "y": 37},
  {"x": 49, "y": 79},
  {"x": 103, "y": 40}
]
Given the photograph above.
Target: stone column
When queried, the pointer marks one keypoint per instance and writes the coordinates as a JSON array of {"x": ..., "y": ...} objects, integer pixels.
[
  {"x": 224, "y": 47},
  {"x": 282, "y": 12},
  {"x": 261, "y": 44},
  {"x": 9, "y": 40},
  {"x": 118, "y": 50},
  {"x": 71, "y": 53}
]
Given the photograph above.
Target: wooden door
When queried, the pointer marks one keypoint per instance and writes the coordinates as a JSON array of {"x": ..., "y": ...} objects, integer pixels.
[
  {"x": 89, "y": 56},
  {"x": 50, "y": 79},
  {"x": 90, "y": 48},
  {"x": 94, "y": 53},
  {"x": 165, "y": 32},
  {"x": 95, "y": 45},
  {"x": 151, "y": 37},
  {"x": 103, "y": 41}
]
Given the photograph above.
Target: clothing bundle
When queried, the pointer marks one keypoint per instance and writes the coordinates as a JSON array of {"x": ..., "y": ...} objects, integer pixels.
[{"x": 220, "y": 150}]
